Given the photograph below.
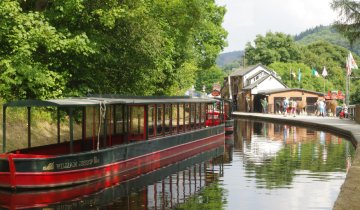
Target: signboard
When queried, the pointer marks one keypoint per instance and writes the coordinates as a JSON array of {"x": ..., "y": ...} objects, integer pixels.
[{"x": 216, "y": 90}]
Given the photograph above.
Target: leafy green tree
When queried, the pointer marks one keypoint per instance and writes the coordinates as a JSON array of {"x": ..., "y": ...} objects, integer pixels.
[
  {"x": 329, "y": 34},
  {"x": 146, "y": 47},
  {"x": 349, "y": 22},
  {"x": 209, "y": 77},
  {"x": 228, "y": 68},
  {"x": 28, "y": 45},
  {"x": 289, "y": 73},
  {"x": 320, "y": 54},
  {"x": 271, "y": 48}
]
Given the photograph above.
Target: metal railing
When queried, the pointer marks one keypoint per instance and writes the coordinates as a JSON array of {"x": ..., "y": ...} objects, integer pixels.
[{"x": 352, "y": 112}]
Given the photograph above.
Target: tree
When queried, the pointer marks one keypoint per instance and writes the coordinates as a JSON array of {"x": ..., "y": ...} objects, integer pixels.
[
  {"x": 289, "y": 75},
  {"x": 271, "y": 48},
  {"x": 209, "y": 77},
  {"x": 349, "y": 22},
  {"x": 28, "y": 45},
  {"x": 320, "y": 54},
  {"x": 145, "y": 47}
]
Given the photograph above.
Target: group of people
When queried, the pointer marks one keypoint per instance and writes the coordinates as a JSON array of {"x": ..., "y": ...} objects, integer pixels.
[
  {"x": 289, "y": 107},
  {"x": 321, "y": 109},
  {"x": 344, "y": 112}
]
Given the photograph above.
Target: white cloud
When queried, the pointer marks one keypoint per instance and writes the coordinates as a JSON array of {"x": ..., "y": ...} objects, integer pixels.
[{"x": 247, "y": 18}]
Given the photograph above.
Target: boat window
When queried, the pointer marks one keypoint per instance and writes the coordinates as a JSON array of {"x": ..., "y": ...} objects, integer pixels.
[
  {"x": 167, "y": 118},
  {"x": 187, "y": 116},
  {"x": 159, "y": 120},
  {"x": 203, "y": 114},
  {"x": 119, "y": 119},
  {"x": 137, "y": 122},
  {"x": 181, "y": 118},
  {"x": 198, "y": 113},
  {"x": 109, "y": 125},
  {"x": 210, "y": 109},
  {"x": 174, "y": 118},
  {"x": 151, "y": 121},
  {"x": 92, "y": 125},
  {"x": 193, "y": 116}
]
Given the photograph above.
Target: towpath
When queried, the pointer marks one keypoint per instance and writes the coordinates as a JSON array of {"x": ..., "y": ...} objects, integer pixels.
[{"x": 349, "y": 196}]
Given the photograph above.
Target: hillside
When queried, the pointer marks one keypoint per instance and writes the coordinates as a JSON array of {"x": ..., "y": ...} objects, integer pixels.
[
  {"x": 230, "y": 60},
  {"x": 325, "y": 33},
  {"x": 226, "y": 58}
]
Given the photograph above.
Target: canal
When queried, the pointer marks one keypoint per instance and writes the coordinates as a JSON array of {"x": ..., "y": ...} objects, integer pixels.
[{"x": 262, "y": 166}]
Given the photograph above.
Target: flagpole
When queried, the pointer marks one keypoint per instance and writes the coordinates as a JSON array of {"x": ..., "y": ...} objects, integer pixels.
[{"x": 347, "y": 90}]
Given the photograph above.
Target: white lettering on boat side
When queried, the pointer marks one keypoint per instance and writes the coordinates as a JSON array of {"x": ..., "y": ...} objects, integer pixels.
[{"x": 71, "y": 164}]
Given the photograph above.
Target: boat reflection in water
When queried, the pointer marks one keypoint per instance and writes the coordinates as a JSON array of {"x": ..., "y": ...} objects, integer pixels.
[{"x": 160, "y": 189}]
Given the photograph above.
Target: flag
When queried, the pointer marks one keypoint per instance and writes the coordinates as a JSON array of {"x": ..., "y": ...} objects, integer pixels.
[
  {"x": 314, "y": 72},
  {"x": 292, "y": 74},
  {"x": 299, "y": 75},
  {"x": 350, "y": 64},
  {"x": 324, "y": 73}
]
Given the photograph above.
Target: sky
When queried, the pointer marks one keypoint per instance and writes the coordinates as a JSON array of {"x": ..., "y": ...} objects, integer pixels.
[{"x": 245, "y": 19}]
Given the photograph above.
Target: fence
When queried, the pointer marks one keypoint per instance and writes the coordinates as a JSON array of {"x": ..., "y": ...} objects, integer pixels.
[{"x": 352, "y": 112}]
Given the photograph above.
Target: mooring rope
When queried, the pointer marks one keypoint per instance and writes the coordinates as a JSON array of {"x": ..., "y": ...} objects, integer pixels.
[{"x": 102, "y": 114}]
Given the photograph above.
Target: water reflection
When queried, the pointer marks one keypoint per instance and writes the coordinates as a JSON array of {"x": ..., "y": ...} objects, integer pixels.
[{"x": 285, "y": 167}]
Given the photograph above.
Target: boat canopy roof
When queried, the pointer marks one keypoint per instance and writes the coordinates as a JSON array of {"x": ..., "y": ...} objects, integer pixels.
[{"x": 108, "y": 99}]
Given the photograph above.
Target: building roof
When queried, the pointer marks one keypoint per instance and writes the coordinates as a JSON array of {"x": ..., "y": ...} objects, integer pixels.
[
  {"x": 243, "y": 71},
  {"x": 280, "y": 90},
  {"x": 253, "y": 85}
]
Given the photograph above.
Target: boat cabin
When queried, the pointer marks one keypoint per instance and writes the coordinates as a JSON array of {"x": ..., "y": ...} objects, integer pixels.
[{"x": 103, "y": 121}]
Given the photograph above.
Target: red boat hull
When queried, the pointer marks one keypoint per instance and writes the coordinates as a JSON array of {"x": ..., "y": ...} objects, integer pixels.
[
  {"x": 111, "y": 187},
  {"x": 124, "y": 169}
]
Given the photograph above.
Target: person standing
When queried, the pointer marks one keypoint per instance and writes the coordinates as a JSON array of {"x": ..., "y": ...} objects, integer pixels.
[
  {"x": 293, "y": 107},
  {"x": 321, "y": 106},
  {"x": 345, "y": 110},
  {"x": 247, "y": 103},
  {"x": 264, "y": 105},
  {"x": 285, "y": 106}
]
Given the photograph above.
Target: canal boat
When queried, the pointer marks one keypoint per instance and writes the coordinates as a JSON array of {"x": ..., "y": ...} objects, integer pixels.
[
  {"x": 121, "y": 136},
  {"x": 107, "y": 191},
  {"x": 222, "y": 113}
]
